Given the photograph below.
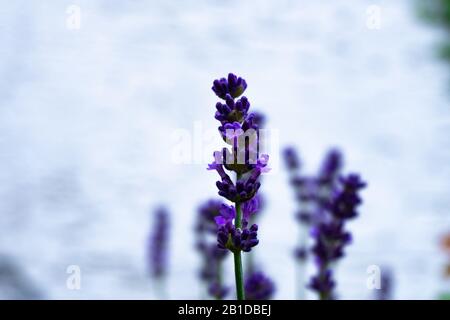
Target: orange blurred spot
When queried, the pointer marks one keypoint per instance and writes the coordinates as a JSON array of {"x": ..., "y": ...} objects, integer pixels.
[{"x": 446, "y": 243}]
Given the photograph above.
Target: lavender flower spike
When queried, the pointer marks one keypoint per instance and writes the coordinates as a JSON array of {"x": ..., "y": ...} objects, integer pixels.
[
  {"x": 236, "y": 125},
  {"x": 330, "y": 234},
  {"x": 212, "y": 255},
  {"x": 158, "y": 246}
]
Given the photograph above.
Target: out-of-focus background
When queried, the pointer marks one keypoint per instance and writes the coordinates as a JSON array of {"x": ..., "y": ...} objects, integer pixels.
[{"x": 89, "y": 107}]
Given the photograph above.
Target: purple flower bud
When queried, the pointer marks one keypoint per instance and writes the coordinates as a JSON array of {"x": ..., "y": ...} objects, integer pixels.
[
  {"x": 233, "y": 86},
  {"x": 259, "y": 287},
  {"x": 228, "y": 237},
  {"x": 347, "y": 200},
  {"x": 323, "y": 284},
  {"x": 291, "y": 159},
  {"x": 331, "y": 167}
]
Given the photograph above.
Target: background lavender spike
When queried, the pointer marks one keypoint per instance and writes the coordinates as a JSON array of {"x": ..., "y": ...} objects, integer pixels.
[
  {"x": 159, "y": 248},
  {"x": 314, "y": 194},
  {"x": 206, "y": 244},
  {"x": 330, "y": 235},
  {"x": 303, "y": 193}
]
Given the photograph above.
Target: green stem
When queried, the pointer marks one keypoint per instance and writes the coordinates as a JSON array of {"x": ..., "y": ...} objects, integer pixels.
[
  {"x": 239, "y": 276},
  {"x": 237, "y": 255}
]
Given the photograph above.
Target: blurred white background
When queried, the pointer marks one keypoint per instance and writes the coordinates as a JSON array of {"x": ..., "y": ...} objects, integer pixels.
[{"x": 87, "y": 115}]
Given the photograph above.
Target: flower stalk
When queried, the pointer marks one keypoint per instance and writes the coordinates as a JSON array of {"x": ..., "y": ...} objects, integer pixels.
[
  {"x": 239, "y": 274},
  {"x": 239, "y": 129}
]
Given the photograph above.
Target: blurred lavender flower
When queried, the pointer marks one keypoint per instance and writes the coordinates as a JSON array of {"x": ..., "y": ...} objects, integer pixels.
[
  {"x": 240, "y": 130},
  {"x": 158, "y": 243},
  {"x": 330, "y": 236},
  {"x": 326, "y": 201},
  {"x": 207, "y": 212},
  {"x": 212, "y": 256},
  {"x": 259, "y": 287},
  {"x": 291, "y": 159},
  {"x": 387, "y": 284}
]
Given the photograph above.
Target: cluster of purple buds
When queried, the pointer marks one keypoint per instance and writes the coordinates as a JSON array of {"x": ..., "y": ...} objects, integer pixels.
[
  {"x": 312, "y": 192},
  {"x": 259, "y": 287},
  {"x": 330, "y": 235},
  {"x": 233, "y": 86},
  {"x": 158, "y": 243},
  {"x": 237, "y": 239},
  {"x": 212, "y": 255},
  {"x": 239, "y": 129}
]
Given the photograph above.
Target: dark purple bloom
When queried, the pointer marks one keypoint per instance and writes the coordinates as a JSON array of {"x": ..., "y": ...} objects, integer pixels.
[
  {"x": 331, "y": 167},
  {"x": 239, "y": 129},
  {"x": 238, "y": 133},
  {"x": 324, "y": 284},
  {"x": 232, "y": 111},
  {"x": 326, "y": 202},
  {"x": 330, "y": 239},
  {"x": 291, "y": 159},
  {"x": 329, "y": 234},
  {"x": 233, "y": 85},
  {"x": 159, "y": 243},
  {"x": 259, "y": 287},
  {"x": 259, "y": 119},
  {"x": 235, "y": 239},
  {"x": 347, "y": 199},
  {"x": 246, "y": 187}
]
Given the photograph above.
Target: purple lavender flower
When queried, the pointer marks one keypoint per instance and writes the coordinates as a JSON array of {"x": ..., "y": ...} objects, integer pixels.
[
  {"x": 305, "y": 193},
  {"x": 207, "y": 212},
  {"x": 245, "y": 187},
  {"x": 158, "y": 243},
  {"x": 314, "y": 193},
  {"x": 330, "y": 236},
  {"x": 237, "y": 239},
  {"x": 346, "y": 200},
  {"x": 240, "y": 130},
  {"x": 326, "y": 202},
  {"x": 259, "y": 287},
  {"x": 259, "y": 119},
  {"x": 291, "y": 159},
  {"x": 212, "y": 255},
  {"x": 331, "y": 167},
  {"x": 234, "y": 86}
]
